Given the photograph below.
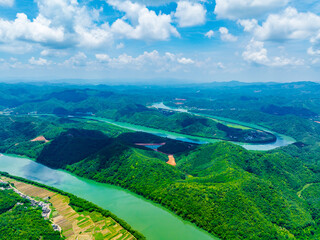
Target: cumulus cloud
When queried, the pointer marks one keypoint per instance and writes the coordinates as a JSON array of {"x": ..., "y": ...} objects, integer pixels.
[
  {"x": 6, "y": 3},
  {"x": 314, "y": 50},
  {"x": 141, "y": 23},
  {"x": 185, "y": 60},
  {"x": 80, "y": 59},
  {"x": 240, "y": 9},
  {"x": 190, "y": 14},
  {"x": 248, "y": 24},
  {"x": 289, "y": 24},
  {"x": 256, "y": 53},
  {"x": 59, "y": 24},
  {"x": 79, "y": 21},
  {"x": 39, "y": 30},
  {"x": 226, "y": 36},
  {"x": 95, "y": 36},
  {"x": 39, "y": 62},
  {"x": 120, "y": 45},
  {"x": 220, "y": 65},
  {"x": 66, "y": 13},
  {"x": 165, "y": 62},
  {"x": 103, "y": 57},
  {"x": 209, "y": 34},
  {"x": 67, "y": 23},
  {"x": 52, "y": 53}
]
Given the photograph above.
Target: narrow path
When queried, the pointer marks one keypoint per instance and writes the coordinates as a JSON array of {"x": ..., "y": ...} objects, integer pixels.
[{"x": 304, "y": 188}]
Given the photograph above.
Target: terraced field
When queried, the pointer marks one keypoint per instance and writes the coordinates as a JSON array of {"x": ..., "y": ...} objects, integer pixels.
[{"x": 74, "y": 225}]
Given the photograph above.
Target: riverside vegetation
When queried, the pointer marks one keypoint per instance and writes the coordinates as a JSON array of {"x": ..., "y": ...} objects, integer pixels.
[
  {"x": 228, "y": 191},
  {"x": 81, "y": 206},
  {"x": 20, "y": 220}
]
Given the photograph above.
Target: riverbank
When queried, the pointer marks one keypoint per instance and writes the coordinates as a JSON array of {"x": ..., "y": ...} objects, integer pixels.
[
  {"x": 43, "y": 203},
  {"x": 92, "y": 221},
  {"x": 152, "y": 220},
  {"x": 281, "y": 140}
]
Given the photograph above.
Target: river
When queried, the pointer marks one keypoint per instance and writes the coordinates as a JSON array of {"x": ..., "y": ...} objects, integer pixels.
[
  {"x": 281, "y": 141},
  {"x": 152, "y": 220}
]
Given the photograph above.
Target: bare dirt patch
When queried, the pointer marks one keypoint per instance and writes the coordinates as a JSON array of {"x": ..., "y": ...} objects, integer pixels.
[
  {"x": 40, "y": 139},
  {"x": 172, "y": 160}
]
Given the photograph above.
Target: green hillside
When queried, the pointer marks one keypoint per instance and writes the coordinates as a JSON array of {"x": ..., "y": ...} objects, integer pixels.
[
  {"x": 223, "y": 188},
  {"x": 22, "y": 221},
  {"x": 228, "y": 191}
]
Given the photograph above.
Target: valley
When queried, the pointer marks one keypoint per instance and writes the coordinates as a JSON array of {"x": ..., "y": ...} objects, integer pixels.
[{"x": 164, "y": 168}]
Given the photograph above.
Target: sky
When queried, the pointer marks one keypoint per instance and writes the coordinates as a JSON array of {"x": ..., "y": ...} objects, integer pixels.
[{"x": 160, "y": 40}]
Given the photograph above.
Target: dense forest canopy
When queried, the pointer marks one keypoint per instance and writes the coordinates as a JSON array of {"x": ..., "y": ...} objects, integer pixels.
[{"x": 230, "y": 192}]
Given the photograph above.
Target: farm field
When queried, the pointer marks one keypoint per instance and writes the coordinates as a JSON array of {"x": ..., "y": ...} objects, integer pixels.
[{"x": 74, "y": 225}]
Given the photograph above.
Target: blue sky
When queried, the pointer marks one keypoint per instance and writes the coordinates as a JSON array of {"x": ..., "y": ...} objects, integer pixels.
[{"x": 160, "y": 40}]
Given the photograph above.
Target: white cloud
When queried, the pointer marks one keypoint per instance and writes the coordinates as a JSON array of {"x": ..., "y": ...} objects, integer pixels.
[
  {"x": 190, "y": 14},
  {"x": 79, "y": 22},
  {"x": 143, "y": 23},
  {"x": 52, "y": 53},
  {"x": 289, "y": 24},
  {"x": 313, "y": 51},
  {"x": 209, "y": 34},
  {"x": 103, "y": 57},
  {"x": 239, "y": 9},
  {"x": 6, "y": 3},
  {"x": 226, "y": 36},
  {"x": 80, "y": 59},
  {"x": 185, "y": 60},
  {"x": 95, "y": 36},
  {"x": 248, "y": 24},
  {"x": 119, "y": 46},
  {"x": 66, "y": 13},
  {"x": 220, "y": 65},
  {"x": 38, "y": 30},
  {"x": 146, "y": 61},
  {"x": 256, "y": 53},
  {"x": 59, "y": 24},
  {"x": 39, "y": 62},
  {"x": 315, "y": 48}
]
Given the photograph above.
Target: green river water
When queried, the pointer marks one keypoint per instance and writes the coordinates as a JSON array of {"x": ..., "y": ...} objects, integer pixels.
[
  {"x": 152, "y": 220},
  {"x": 281, "y": 141}
]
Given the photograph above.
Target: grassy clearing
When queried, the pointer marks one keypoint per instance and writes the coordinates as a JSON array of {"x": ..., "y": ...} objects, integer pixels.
[{"x": 75, "y": 225}]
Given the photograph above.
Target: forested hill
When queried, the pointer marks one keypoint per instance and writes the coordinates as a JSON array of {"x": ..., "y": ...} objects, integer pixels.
[
  {"x": 118, "y": 105},
  {"x": 229, "y": 191},
  {"x": 228, "y": 188},
  {"x": 19, "y": 219}
]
